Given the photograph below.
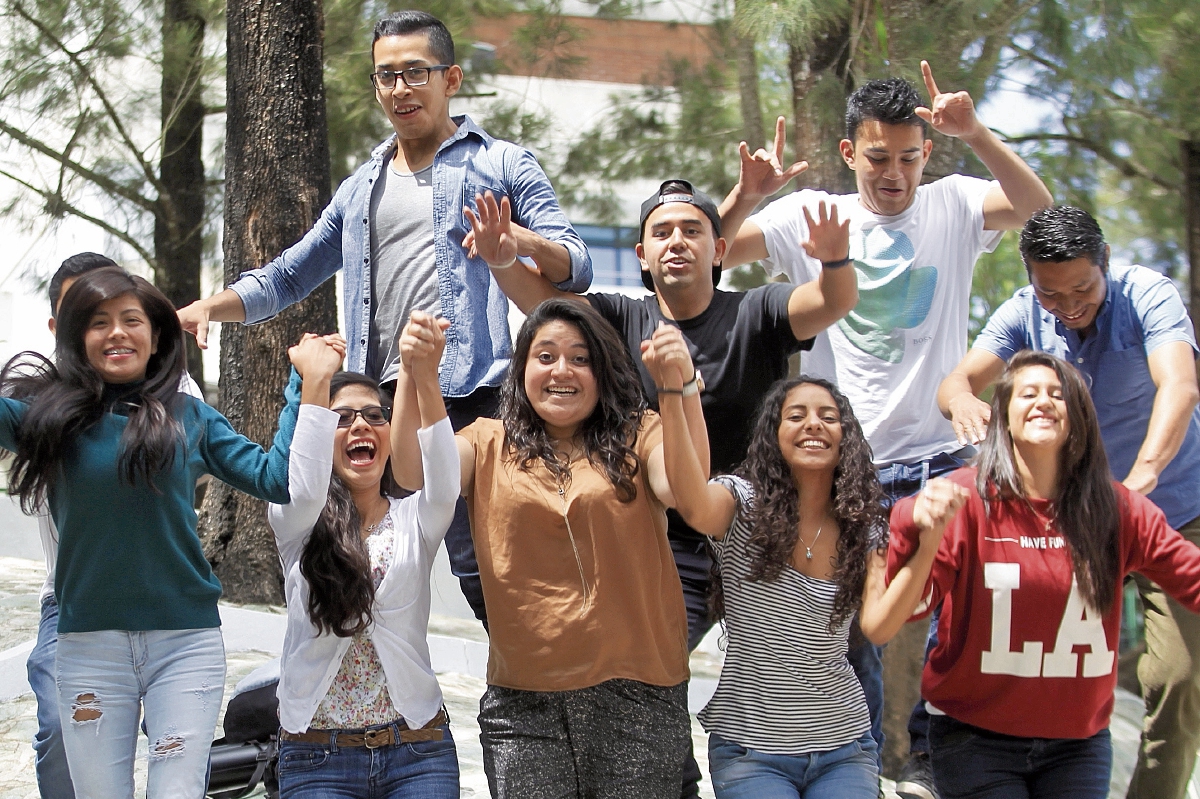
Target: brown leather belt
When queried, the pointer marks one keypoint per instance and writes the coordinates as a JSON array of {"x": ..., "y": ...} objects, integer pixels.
[{"x": 372, "y": 738}]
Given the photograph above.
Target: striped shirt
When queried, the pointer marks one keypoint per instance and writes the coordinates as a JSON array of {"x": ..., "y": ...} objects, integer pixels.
[{"x": 786, "y": 687}]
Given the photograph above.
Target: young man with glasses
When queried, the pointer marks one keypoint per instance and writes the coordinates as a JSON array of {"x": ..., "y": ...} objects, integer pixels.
[{"x": 398, "y": 230}]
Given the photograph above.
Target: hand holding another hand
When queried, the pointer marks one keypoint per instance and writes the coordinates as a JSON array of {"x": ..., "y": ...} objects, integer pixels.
[
  {"x": 316, "y": 357},
  {"x": 667, "y": 358},
  {"x": 936, "y": 505},
  {"x": 421, "y": 344}
]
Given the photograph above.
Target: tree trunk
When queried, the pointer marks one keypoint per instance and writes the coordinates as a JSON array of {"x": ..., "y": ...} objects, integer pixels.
[
  {"x": 818, "y": 106},
  {"x": 277, "y": 182},
  {"x": 751, "y": 105},
  {"x": 1190, "y": 152},
  {"x": 179, "y": 217}
]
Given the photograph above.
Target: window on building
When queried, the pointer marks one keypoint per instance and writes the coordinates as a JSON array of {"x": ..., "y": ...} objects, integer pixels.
[{"x": 614, "y": 262}]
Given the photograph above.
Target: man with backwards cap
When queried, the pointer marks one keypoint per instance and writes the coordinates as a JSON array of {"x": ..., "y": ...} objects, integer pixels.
[{"x": 740, "y": 342}]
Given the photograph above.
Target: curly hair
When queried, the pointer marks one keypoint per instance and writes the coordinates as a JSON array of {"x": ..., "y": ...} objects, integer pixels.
[
  {"x": 774, "y": 517},
  {"x": 608, "y": 434}
]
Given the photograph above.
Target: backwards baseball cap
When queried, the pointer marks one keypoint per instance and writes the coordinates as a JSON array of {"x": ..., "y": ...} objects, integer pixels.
[{"x": 679, "y": 191}]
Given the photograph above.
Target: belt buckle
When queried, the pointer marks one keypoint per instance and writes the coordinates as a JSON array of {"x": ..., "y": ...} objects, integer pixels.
[{"x": 373, "y": 739}]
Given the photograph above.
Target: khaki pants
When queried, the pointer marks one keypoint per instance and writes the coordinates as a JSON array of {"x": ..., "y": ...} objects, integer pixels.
[{"x": 1169, "y": 672}]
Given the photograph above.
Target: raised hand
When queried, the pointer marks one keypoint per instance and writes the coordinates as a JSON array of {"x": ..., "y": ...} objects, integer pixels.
[
  {"x": 317, "y": 357},
  {"x": 492, "y": 237},
  {"x": 421, "y": 344},
  {"x": 936, "y": 505},
  {"x": 762, "y": 174},
  {"x": 828, "y": 238},
  {"x": 951, "y": 114},
  {"x": 667, "y": 357}
]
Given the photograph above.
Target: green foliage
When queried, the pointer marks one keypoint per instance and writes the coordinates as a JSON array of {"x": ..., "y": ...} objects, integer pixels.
[
  {"x": 744, "y": 278},
  {"x": 687, "y": 127},
  {"x": 790, "y": 20},
  {"x": 1123, "y": 78},
  {"x": 997, "y": 275},
  {"x": 81, "y": 113}
]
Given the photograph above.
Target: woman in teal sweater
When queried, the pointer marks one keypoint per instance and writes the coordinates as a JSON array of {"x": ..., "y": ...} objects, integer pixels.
[{"x": 105, "y": 439}]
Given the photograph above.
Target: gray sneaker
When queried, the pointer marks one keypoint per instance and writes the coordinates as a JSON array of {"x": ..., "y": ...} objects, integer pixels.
[{"x": 916, "y": 778}]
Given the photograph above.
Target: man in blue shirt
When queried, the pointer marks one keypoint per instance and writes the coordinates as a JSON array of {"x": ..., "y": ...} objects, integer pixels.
[
  {"x": 1127, "y": 330},
  {"x": 397, "y": 229}
]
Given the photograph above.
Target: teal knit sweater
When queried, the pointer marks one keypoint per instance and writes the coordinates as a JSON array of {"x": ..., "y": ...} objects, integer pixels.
[{"x": 129, "y": 557}]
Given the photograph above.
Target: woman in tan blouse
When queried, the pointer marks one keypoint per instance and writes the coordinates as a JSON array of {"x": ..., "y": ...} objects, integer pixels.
[{"x": 587, "y": 674}]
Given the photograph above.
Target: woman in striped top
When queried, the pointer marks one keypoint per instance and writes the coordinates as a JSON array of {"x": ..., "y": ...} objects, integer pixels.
[{"x": 801, "y": 540}]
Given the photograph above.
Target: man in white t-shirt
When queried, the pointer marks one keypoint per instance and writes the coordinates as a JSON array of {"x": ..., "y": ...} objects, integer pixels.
[{"x": 914, "y": 248}]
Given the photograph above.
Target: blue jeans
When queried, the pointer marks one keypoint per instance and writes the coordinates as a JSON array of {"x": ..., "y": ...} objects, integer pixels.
[
  {"x": 970, "y": 762},
  {"x": 108, "y": 678},
  {"x": 417, "y": 770},
  {"x": 848, "y": 772},
  {"x": 899, "y": 480},
  {"x": 53, "y": 776}
]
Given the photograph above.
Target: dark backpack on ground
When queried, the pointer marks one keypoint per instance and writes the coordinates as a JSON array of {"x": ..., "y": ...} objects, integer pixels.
[{"x": 249, "y": 752}]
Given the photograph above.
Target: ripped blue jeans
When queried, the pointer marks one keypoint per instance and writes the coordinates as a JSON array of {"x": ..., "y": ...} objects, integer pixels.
[{"x": 105, "y": 680}]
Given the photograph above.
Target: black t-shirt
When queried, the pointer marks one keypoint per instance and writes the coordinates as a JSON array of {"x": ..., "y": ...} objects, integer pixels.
[{"x": 740, "y": 344}]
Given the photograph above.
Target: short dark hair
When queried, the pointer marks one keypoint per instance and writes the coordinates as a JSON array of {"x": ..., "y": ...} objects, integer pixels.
[
  {"x": 74, "y": 266},
  {"x": 402, "y": 23},
  {"x": 1062, "y": 233},
  {"x": 676, "y": 190},
  {"x": 892, "y": 101}
]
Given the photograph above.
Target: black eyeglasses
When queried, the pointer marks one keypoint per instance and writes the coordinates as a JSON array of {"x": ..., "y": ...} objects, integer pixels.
[
  {"x": 413, "y": 76},
  {"x": 372, "y": 415}
]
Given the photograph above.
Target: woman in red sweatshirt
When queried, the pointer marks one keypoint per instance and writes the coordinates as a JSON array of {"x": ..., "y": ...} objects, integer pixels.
[{"x": 1020, "y": 684}]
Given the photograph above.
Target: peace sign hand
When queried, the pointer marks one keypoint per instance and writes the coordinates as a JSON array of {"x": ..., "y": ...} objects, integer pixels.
[
  {"x": 762, "y": 174},
  {"x": 949, "y": 114}
]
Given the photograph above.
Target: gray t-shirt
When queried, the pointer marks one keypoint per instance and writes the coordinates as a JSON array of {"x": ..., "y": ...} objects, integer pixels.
[{"x": 403, "y": 264}]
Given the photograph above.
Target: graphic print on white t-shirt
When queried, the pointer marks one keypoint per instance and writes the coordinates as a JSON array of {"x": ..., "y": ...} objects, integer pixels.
[
  {"x": 909, "y": 329},
  {"x": 894, "y": 294}
]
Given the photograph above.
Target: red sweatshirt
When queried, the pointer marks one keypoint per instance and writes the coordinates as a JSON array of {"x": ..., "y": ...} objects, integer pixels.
[{"x": 1019, "y": 652}]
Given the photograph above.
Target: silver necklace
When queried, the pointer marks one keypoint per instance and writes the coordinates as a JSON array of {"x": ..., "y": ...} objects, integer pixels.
[{"x": 808, "y": 547}]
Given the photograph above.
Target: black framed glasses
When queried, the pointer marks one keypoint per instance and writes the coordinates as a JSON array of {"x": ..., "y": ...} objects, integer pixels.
[
  {"x": 372, "y": 415},
  {"x": 413, "y": 76}
]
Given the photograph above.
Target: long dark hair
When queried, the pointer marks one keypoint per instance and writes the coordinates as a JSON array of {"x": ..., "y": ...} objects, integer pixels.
[
  {"x": 857, "y": 500},
  {"x": 66, "y": 397},
  {"x": 608, "y": 434},
  {"x": 335, "y": 561},
  {"x": 1085, "y": 503}
]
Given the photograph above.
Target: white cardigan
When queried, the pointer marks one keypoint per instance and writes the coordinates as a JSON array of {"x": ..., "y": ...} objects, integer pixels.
[{"x": 401, "y": 614}]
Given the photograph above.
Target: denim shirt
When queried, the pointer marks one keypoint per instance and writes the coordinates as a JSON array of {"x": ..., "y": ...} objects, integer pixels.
[
  {"x": 1141, "y": 312},
  {"x": 478, "y": 347}
]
